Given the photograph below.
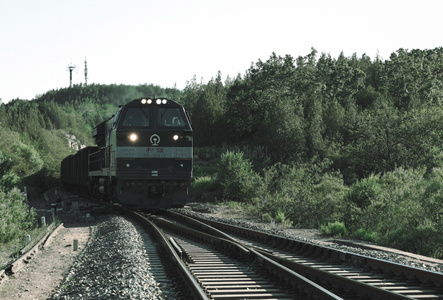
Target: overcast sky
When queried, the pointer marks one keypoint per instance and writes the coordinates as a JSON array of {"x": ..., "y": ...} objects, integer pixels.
[{"x": 167, "y": 42}]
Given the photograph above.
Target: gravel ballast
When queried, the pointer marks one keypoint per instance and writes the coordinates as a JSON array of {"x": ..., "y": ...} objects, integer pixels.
[
  {"x": 114, "y": 265},
  {"x": 209, "y": 211}
]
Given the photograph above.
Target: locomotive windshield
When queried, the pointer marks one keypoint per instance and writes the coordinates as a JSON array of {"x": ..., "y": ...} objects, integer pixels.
[
  {"x": 136, "y": 116},
  {"x": 171, "y": 117}
]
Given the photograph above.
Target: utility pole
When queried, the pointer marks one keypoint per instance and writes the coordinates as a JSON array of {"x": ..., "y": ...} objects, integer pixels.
[
  {"x": 86, "y": 73},
  {"x": 71, "y": 67}
]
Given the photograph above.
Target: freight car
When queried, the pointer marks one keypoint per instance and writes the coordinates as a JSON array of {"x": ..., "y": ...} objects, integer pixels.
[{"x": 143, "y": 157}]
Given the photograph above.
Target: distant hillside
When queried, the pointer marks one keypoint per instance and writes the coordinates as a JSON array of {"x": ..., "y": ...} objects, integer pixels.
[{"x": 107, "y": 94}]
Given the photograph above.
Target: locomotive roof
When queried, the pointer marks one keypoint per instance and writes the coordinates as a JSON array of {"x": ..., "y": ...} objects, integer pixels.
[{"x": 138, "y": 103}]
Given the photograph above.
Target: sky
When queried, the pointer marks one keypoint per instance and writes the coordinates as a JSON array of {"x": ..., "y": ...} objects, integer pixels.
[{"x": 168, "y": 42}]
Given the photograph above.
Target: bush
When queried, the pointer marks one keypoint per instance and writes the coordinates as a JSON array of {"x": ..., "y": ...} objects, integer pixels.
[
  {"x": 425, "y": 240},
  {"x": 400, "y": 209},
  {"x": 358, "y": 201},
  {"x": 337, "y": 229},
  {"x": 366, "y": 235},
  {"x": 280, "y": 218},
  {"x": 239, "y": 180},
  {"x": 8, "y": 178},
  {"x": 201, "y": 185},
  {"x": 305, "y": 195},
  {"x": 266, "y": 217},
  {"x": 16, "y": 218}
]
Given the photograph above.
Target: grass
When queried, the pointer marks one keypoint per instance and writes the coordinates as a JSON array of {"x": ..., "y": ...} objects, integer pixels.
[{"x": 11, "y": 250}]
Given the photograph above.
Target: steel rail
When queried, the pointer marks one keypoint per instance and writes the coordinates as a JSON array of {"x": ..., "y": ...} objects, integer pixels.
[
  {"x": 192, "y": 285},
  {"x": 432, "y": 282},
  {"x": 299, "y": 282}
]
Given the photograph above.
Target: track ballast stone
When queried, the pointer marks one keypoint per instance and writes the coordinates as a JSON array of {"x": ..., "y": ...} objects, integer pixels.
[{"x": 114, "y": 265}]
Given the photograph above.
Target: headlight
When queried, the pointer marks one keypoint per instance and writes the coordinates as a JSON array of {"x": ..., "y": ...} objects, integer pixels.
[
  {"x": 175, "y": 137},
  {"x": 164, "y": 101},
  {"x": 133, "y": 137},
  {"x": 146, "y": 101},
  {"x": 158, "y": 101}
]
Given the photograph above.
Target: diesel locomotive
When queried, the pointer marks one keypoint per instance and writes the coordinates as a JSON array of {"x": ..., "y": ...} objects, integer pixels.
[{"x": 143, "y": 158}]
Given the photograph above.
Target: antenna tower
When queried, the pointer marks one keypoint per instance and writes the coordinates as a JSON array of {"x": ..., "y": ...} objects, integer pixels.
[
  {"x": 86, "y": 72},
  {"x": 71, "y": 67}
]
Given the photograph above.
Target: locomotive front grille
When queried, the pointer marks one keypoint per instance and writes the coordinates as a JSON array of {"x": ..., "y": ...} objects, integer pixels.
[{"x": 154, "y": 175}]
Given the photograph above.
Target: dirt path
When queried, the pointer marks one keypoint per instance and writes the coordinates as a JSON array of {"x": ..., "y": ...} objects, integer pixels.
[{"x": 43, "y": 274}]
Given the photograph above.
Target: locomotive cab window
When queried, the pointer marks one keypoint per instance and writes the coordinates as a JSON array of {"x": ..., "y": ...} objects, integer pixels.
[
  {"x": 171, "y": 117},
  {"x": 136, "y": 117}
]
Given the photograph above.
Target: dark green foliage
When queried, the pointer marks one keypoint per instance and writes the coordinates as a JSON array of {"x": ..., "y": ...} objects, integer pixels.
[
  {"x": 337, "y": 229},
  {"x": 206, "y": 106},
  {"x": 8, "y": 178},
  {"x": 239, "y": 180},
  {"x": 16, "y": 216},
  {"x": 378, "y": 125},
  {"x": 366, "y": 235},
  {"x": 365, "y": 116},
  {"x": 304, "y": 193},
  {"x": 402, "y": 209}
]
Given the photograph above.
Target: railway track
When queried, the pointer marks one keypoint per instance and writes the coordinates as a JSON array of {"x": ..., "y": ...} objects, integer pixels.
[
  {"x": 348, "y": 275},
  {"x": 212, "y": 260},
  {"x": 228, "y": 270}
]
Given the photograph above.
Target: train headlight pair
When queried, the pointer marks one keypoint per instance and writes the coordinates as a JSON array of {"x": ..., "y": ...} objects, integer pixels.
[{"x": 146, "y": 101}]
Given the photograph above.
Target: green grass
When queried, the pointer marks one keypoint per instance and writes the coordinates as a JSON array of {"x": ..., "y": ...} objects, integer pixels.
[{"x": 11, "y": 250}]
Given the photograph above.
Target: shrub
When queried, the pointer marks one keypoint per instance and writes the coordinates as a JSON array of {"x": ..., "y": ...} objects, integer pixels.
[
  {"x": 8, "y": 178},
  {"x": 335, "y": 229},
  {"x": 239, "y": 180},
  {"x": 266, "y": 217},
  {"x": 16, "y": 215},
  {"x": 203, "y": 184},
  {"x": 366, "y": 235},
  {"x": 280, "y": 217},
  {"x": 425, "y": 240},
  {"x": 358, "y": 200}
]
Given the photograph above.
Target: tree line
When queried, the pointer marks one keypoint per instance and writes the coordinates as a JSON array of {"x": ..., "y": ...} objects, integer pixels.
[
  {"x": 354, "y": 145},
  {"x": 364, "y": 116}
]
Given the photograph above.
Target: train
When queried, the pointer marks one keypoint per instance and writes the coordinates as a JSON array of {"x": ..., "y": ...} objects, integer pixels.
[{"x": 143, "y": 158}]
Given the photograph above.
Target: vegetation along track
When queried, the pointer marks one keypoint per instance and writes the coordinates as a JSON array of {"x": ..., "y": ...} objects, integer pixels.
[{"x": 351, "y": 276}]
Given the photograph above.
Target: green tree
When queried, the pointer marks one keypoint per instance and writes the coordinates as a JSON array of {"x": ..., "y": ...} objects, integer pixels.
[{"x": 16, "y": 215}]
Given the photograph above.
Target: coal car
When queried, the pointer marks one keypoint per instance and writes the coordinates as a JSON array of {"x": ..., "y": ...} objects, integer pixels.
[{"x": 143, "y": 158}]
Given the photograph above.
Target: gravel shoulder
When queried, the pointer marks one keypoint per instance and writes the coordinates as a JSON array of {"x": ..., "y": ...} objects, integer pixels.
[
  {"x": 314, "y": 236},
  {"x": 44, "y": 273}
]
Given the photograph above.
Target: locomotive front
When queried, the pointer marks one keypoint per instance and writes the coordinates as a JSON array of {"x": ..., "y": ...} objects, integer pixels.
[{"x": 152, "y": 154}]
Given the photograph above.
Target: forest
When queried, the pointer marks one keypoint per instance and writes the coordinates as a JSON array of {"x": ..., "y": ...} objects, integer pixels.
[{"x": 350, "y": 145}]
